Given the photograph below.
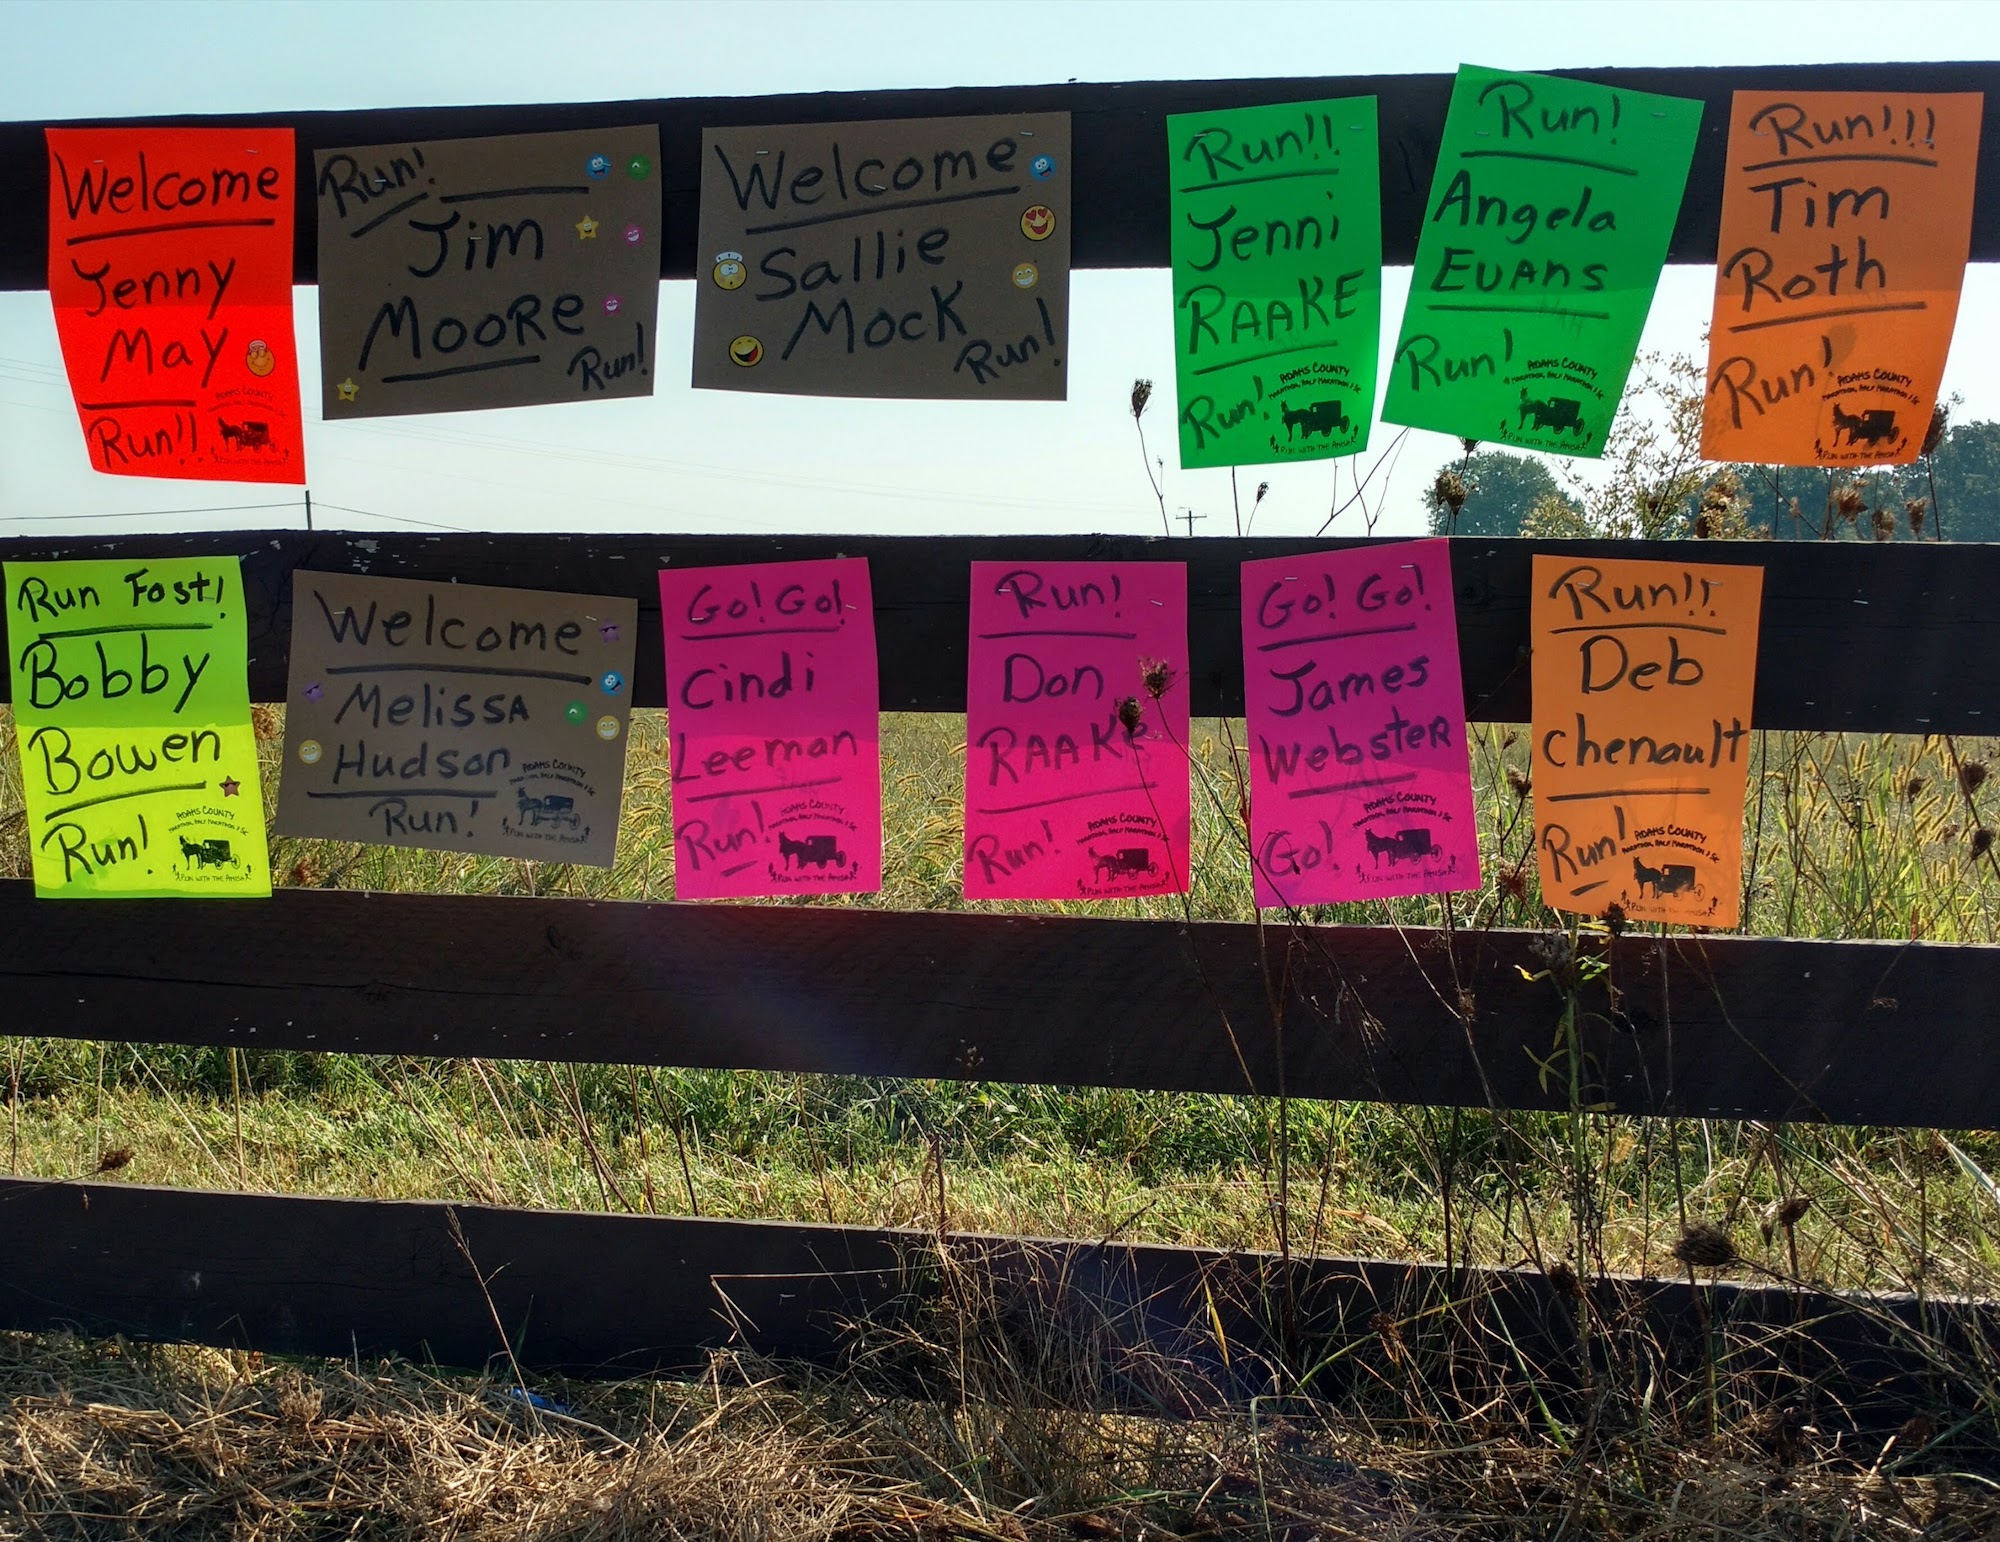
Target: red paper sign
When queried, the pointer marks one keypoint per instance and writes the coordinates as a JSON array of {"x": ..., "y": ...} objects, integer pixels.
[
  {"x": 1360, "y": 781},
  {"x": 776, "y": 745},
  {"x": 170, "y": 267},
  {"x": 1076, "y": 723}
]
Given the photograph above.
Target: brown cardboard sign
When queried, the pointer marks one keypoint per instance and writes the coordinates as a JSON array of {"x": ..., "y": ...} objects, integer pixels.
[
  {"x": 500, "y": 272},
  {"x": 922, "y": 257},
  {"x": 457, "y": 717}
]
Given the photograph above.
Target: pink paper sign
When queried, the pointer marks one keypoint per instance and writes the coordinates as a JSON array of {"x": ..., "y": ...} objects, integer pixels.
[
  {"x": 1360, "y": 782},
  {"x": 1076, "y": 778},
  {"x": 775, "y": 743}
]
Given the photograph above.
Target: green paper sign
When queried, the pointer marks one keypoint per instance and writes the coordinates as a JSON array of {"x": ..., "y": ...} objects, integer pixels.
[
  {"x": 1277, "y": 255},
  {"x": 1547, "y": 224},
  {"x": 132, "y": 707}
]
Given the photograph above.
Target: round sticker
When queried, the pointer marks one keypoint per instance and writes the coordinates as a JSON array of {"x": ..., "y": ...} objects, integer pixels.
[
  {"x": 309, "y": 752},
  {"x": 607, "y": 728},
  {"x": 638, "y": 167},
  {"x": 1042, "y": 167},
  {"x": 1039, "y": 223},
  {"x": 259, "y": 359},
  {"x": 611, "y": 303},
  {"x": 576, "y": 712},
  {"x": 634, "y": 235},
  {"x": 598, "y": 166},
  {"x": 613, "y": 682},
  {"x": 1025, "y": 274},
  {"x": 746, "y": 350},
  {"x": 729, "y": 271}
]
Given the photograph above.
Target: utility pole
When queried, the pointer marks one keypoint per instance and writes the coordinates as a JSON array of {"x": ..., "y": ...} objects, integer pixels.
[
  {"x": 1188, "y": 517},
  {"x": 309, "y": 508}
]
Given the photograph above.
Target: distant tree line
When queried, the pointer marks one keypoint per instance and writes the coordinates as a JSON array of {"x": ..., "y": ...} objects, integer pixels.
[{"x": 1953, "y": 492}]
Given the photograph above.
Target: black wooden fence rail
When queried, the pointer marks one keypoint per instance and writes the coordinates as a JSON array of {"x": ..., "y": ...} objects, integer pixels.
[
  {"x": 1170, "y": 1330},
  {"x": 1898, "y": 638},
  {"x": 1119, "y": 145},
  {"x": 1890, "y": 1033}
]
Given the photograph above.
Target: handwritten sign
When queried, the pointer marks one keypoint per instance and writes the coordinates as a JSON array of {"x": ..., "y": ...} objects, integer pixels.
[
  {"x": 1846, "y": 222},
  {"x": 924, "y": 257},
  {"x": 776, "y": 742},
  {"x": 1643, "y": 676},
  {"x": 132, "y": 707},
  {"x": 1360, "y": 778},
  {"x": 457, "y": 718},
  {"x": 499, "y": 272},
  {"x": 1277, "y": 258},
  {"x": 1076, "y": 722},
  {"x": 170, "y": 268},
  {"x": 1548, "y": 221}
]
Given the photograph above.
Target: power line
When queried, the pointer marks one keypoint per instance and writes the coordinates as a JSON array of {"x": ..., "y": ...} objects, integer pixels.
[{"x": 222, "y": 508}]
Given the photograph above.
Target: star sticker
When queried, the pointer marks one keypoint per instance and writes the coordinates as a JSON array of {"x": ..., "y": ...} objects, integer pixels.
[
  {"x": 315, "y": 691},
  {"x": 586, "y": 228},
  {"x": 610, "y": 631},
  {"x": 347, "y": 390},
  {"x": 230, "y": 786}
]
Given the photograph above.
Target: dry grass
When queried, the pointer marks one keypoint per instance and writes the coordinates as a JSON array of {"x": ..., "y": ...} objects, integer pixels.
[{"x": 101, "y": 1441}]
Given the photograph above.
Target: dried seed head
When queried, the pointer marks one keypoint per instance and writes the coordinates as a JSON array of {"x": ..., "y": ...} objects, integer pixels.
[
  {"x": 1263, "y": 491},
  {"x": 1885, "y": 525},
  {"x": 1706, "y": 526},
  {"x": 1157, "y": 675},
  {"x": 1131, "y": 714},
  {"x": 1513, "y": 881},
  {"x": 1450, "y": 490},
  {"x": 1849, "y": 502},
  {"x": 1563, "y": 1280},
  {"x": 303, "y": 874},
  {"x": 1390, "y": 1332},
  {"x": 1913, "y": 789},
  {"x": 1142, "y": 393},
  {"x": 264, "y": 722},
  {"x": 115, "y": 1158},
  {"x": 1520, "y": 781},
  {"x": 1471, "y": 446},
  {"x": 1971, "y": 776},
  {"x": 1982, "y": 841},
  {"x": 1940, "y": 425},
  {"x": 1914, "y": 510},
  {"x": 1706, "y": 1247},
  {"x": 1614, "y": 919},
  {"x": 1792, "y": 1208}
]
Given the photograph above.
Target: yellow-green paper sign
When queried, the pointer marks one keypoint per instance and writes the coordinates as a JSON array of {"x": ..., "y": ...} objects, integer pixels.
[
  {"x": 1277, "y": 257},
  {"x": 1542, "y": 242},
  {"x": 132, "y": 706}
]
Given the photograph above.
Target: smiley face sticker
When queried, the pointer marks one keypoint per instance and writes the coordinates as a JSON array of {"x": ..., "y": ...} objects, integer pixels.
[
  {"x": 746, "y": 351},
  {"x": 638, "y": 168},
  {"x": 1042, "y": 167},
  {"x": 1025, "y": 275},
  {"x": 1039, "y": 222},
  {"x": 309, "y": 752},
  {"x": 599, "y": 167},
  {"x": 729, "y": 272},
  {"x": 260, "y": 360},
  {"x": 607, "y": 728},
  {"x": 613, "y": 682},
  {"x": 611, "y": 304},
  {"x": 634, "y": 235},
  {"x": 576, "y": 712}
]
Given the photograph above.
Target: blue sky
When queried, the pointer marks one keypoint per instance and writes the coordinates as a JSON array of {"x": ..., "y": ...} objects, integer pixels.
[{"x": 685, "y": 460}]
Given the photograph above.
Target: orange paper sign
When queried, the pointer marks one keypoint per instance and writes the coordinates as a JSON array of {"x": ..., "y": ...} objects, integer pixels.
[
  {"x": 1846, "y": 220},
  {"x": 170, "y": 267},
  {"x": 1643, "y": 678}
]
